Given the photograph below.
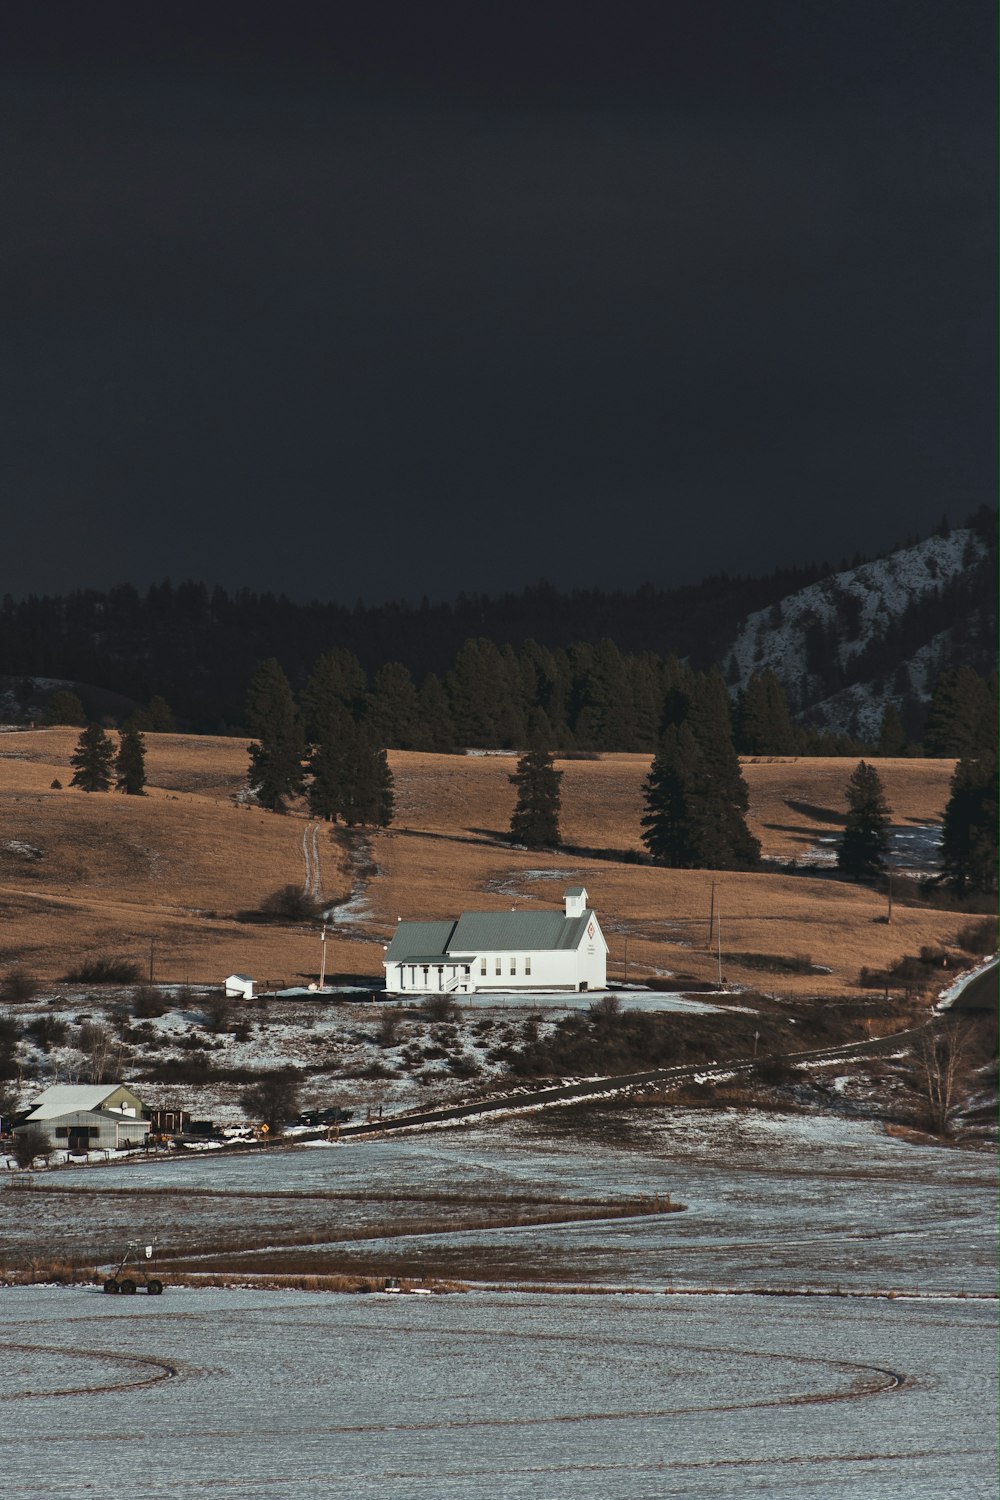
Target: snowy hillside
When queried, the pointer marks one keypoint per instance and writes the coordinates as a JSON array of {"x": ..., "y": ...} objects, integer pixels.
[{"x": 848, "y": 645}]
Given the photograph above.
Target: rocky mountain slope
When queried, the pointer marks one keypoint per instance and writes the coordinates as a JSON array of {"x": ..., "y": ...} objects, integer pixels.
[{"x": 882, "y": 632}]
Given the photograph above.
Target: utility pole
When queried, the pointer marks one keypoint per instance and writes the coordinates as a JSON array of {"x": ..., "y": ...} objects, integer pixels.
[
  {"x": 322, "y": 966},
  {"x": 152, "y": 944},
  {"x": 720, "y": 945},
  {"x": 888, "y": 915},
  {"x": 711, "y": 915},
  {"x": 625, "y": 981}
]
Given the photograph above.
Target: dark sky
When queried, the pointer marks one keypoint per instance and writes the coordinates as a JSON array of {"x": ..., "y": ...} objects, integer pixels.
[{"x": 422, "y": 298}]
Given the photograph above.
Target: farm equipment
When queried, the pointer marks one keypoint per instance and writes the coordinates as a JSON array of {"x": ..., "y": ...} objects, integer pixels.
[{"x": 132, "y": 1271}]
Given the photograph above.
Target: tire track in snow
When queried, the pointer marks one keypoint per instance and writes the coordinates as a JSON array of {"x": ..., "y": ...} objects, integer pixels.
[
  {"x": 161, "y": 1369},
  {"x": 316, "y": 869},
  {"x": 310, "y": 856}
]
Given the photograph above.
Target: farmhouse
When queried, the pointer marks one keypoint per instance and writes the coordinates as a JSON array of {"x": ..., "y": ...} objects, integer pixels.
[
  {"x": 500, "y": 950},
  {"x": 83, "y": 1117}
]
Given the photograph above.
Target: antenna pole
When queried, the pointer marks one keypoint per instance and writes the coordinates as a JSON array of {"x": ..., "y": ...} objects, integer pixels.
[{"x": 322, "y": 967}]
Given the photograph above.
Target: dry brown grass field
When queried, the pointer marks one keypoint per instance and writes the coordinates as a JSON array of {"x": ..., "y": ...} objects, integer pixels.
[{"x": 112, "y": 874}]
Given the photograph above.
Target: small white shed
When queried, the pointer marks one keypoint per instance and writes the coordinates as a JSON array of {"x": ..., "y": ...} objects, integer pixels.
[{"x": 239, "y": 987}]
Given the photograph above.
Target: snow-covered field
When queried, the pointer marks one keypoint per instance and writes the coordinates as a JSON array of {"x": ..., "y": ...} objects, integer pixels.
[
  {"x": 773, "y": 1202},
  {"x": 295, "y": 1395},
  {"x": 682, "y": 1388}
]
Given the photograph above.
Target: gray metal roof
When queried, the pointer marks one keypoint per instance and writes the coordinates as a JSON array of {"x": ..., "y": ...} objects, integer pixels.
[
  {"x": 419, "y": 941},
  {"x": 65, "y": 1098},
  {"x": 478, "y": 932},
  {"x": 520, "y": 931}
]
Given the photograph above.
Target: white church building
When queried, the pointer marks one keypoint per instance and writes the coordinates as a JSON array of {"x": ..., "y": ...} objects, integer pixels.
[{"x": 497, "y": 951}]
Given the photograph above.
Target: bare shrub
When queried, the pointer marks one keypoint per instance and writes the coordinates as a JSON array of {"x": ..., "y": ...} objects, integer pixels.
[
  {"x": 388, "y": 1030},
  {"x": 462, "y": 1065},
  {"x": 18, "y": 986},
  {"x": 776, "y": 1071},
  {"x": 29, "y": 1143},
  {"x": 774, "y": 963},
  {"x": 290, "y": 903},
  {"x": 440, "y": 1008},
  {"x": 218, "y": 1012},
  {"x": 978, "y": 937},
  {"x": 376, "y": 1069},
  {"x": 605, "y": 1008},
  {"x": 193, "y": 1069},
  {"x": 106, "y": 968},
  {"x": 92, "y": 1037},
  {"x": 148, "y": 1003},
  {"x": 47, "y": 1032},
  {"x": 934, "y": 957}
]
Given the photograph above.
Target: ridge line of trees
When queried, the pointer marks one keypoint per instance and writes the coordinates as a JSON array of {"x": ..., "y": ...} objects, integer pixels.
[{"x": 198, "y": 647}]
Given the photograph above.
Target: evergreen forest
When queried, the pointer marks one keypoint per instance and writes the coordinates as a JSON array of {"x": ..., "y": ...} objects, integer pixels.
[{"x": 584, "y": 671}]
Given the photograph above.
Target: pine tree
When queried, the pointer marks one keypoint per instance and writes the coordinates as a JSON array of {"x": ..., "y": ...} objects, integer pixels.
[
  {"x": 380, "y": 799},
  {"x": 535, "y": 820},
  {"x": 958, "y": 702},
  {"x": 276, "y": 756},
  {"x": 969, "y": 836},
  {"x": 333, "y": 689},
  {"x": 325, "y": 786},
  {"x": 337, "y": 682},
  {"x": 721, "y": 798},
  {"x": 393, "y": 710},
  {"x": 156, "y": 718},
  {"x": 606, "y": 717},
  {"x": 130, "y": 763},
  {"x": 765, "y": 724},
  {"x": 484, "y": 693},
  {"x": 366, "y": 788},
  {"x": 892, "y": 737},
  {"x": 696, "y": 797},
  {"x": 437, "y": 732},
  {"x": 64, "y": 707},
  {"x": 93, "y": 759},
  {"x": 646, "y": 679},
  {"x": 161, "y": 716},
  {"x": 669, "y": 794},
  {"x": 865, "y": 840}
]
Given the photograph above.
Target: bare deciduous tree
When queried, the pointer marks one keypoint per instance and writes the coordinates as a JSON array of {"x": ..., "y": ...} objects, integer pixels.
[
  {"x": 273, "y": 1100},
  {"x": 942, "y": 1060}
]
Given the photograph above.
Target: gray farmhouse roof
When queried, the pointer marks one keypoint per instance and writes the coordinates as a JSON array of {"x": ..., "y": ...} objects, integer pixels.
[
  {"x": 70, "y": 1098},
  {"x": 487, "y": 932}
]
